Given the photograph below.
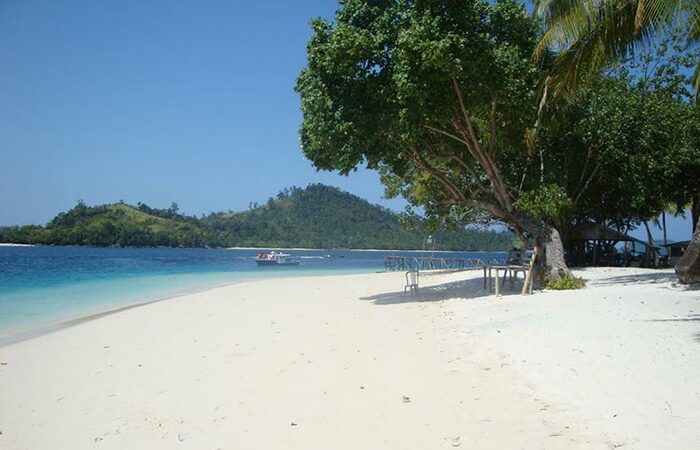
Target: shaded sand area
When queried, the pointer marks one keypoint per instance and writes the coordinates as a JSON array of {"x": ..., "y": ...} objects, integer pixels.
[{"x": 349, "y": 362}]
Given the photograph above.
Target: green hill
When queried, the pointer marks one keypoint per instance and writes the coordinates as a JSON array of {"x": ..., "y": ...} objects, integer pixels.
[
  {"x": 117, "y": 224},
  {"x": 315, "y": 217}
]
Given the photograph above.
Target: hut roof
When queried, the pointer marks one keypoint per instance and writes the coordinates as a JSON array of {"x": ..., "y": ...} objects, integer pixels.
[{"x": 595, "y": 232}]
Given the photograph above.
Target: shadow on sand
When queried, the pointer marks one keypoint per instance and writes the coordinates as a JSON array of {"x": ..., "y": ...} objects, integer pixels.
[
  {"x": 650, "y": 277},
  {"x": 689, "y": 318},
  {"x": 641, "y": 278},
  {"x": 465, "y": 289}
]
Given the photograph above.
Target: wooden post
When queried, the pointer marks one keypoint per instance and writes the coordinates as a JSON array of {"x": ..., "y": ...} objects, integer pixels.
[
  {"x": 498, "y": 293},
  {"x": 528, "y": 278}
]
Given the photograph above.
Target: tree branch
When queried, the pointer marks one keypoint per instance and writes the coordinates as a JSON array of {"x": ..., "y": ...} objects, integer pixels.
[
  {"x": 449, "y": 135},
  {"x": 585, "y": 186},
  {"x": 485, "y": 158},
  {"x": 450, "y": 186},
  {"x": 451, "y": 156},
  {"x": 471, "y": 171},
  {"x": 492, "y": 122}
]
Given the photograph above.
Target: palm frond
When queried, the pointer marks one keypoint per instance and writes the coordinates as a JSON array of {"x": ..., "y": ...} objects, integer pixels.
[
  {"x": 611, "y": 37},
  {"x": 596, "y": 33},
  {"x": 589, "y": 35},
  {"x": 550, "y": 10},
  {"x": 691, "y": 8},
  {"x": 694, "y": 22},
  {"x": 655, "y": 13},
  {"x": 566, "y": 23}
]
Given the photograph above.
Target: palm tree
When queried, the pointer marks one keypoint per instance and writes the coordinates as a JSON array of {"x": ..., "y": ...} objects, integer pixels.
[{"x": 589, "y": 35}]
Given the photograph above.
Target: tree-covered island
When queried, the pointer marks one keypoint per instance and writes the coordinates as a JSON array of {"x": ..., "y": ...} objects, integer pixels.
[{"x": 317, "y": 216}]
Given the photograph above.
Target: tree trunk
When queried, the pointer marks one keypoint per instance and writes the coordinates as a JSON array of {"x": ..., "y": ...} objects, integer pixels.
[
  {"x": 650, "y": 253},
  {"x": 554, "y": 266},
  {"x": 695, "y": 211},
  {"x": 550, "y": 249},
  {"x": 551, "y": 265},
  {"x": 688, "y": 267},
  {"x": 663, "y": 221}
]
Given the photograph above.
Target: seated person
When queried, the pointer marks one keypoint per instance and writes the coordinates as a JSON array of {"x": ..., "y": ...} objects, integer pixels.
[{"x": 515, "y": 257}]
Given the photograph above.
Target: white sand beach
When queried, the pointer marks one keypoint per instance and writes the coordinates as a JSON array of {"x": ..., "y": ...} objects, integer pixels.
[{"x": 349, "y": 362}]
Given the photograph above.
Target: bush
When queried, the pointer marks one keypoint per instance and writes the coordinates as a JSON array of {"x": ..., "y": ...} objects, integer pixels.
[{"x": 567, "y": 282}]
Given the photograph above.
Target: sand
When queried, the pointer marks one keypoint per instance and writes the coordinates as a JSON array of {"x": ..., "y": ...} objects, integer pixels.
[{"x": 348, "y": 362}]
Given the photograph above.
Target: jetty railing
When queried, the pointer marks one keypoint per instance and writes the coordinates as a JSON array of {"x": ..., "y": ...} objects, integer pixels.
[{"x": 406, "y": 263}]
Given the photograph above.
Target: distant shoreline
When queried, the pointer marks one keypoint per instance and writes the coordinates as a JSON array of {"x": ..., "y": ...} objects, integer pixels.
[
  {"x": 364, "y": 250},
  {"x": 272, "y": 248}
]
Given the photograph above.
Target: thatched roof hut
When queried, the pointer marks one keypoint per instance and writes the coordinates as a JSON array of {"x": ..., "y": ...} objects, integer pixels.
[{"x": 590, "y": 244}]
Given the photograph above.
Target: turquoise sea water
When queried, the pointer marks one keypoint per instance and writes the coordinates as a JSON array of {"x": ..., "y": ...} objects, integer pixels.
[{"x": 44, "y": 285}]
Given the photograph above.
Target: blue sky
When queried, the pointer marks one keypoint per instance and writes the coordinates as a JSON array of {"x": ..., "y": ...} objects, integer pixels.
[{"x": 156, "y": 101}]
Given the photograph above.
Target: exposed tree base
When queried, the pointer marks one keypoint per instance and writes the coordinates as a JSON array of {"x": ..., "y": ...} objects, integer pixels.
[
  {"x": 553, "y": 265},
  {"x": 688, "y": 267}
]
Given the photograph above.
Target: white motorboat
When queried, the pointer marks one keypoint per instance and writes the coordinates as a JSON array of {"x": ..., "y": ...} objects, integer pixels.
[{"x": 275, "y": 258}]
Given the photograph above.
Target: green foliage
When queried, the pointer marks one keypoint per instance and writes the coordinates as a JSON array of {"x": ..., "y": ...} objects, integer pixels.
[
  {"x": 567, "y": 282},
  {"x": 627, "y": 147},
  {"x": 391, "y": 84},
  {"x": 316, "y": 217},
  {"x": 549, "y": 203}
]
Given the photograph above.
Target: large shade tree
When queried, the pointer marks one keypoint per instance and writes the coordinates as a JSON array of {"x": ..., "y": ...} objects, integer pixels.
[{"x": 441, "y": 96}]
